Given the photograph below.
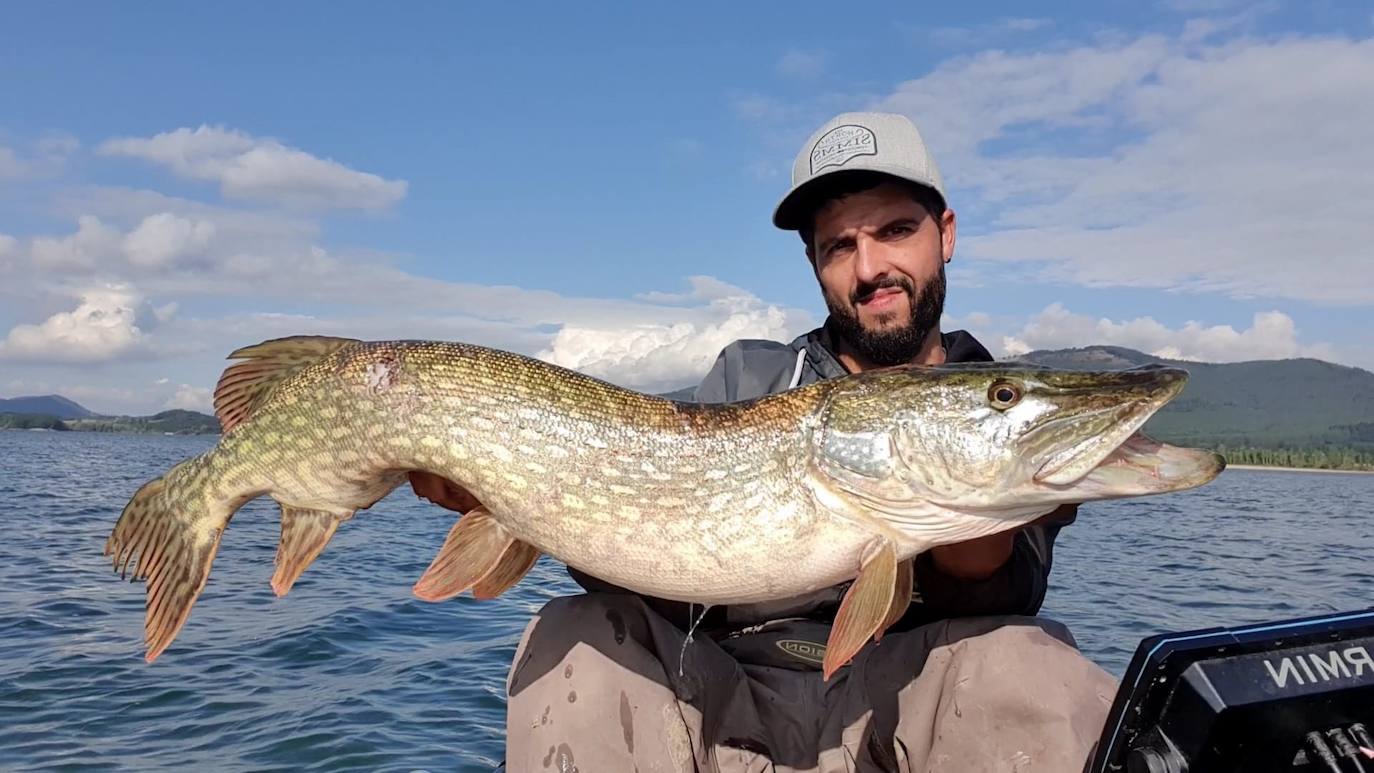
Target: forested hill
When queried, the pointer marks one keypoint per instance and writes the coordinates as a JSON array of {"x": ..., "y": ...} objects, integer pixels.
[{"x": 173, "y": 422}]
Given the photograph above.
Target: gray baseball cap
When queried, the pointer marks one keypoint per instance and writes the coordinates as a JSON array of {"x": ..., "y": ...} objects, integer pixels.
[{"x": 874, "y": 142}]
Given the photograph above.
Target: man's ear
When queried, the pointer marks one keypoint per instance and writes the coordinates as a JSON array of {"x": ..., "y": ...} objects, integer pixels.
[{"x": 949, "y": 226}]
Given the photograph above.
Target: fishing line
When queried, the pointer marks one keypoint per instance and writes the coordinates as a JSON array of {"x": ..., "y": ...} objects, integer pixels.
[{"x": 681, "y": 656}]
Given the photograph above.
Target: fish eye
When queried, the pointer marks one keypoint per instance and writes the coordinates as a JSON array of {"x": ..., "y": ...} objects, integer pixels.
[{"x": 1003, "y": 395}]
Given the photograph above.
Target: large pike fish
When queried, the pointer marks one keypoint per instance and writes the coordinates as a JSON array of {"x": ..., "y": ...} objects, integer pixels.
[{"x": 846, "y": 479}]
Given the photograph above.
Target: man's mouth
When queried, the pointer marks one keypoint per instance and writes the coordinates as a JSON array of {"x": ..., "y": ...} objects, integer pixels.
[{"x": 881, "y": 299}]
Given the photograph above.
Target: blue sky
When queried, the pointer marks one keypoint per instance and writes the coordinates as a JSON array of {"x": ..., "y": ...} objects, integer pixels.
[{"x": 593, "y": 185}]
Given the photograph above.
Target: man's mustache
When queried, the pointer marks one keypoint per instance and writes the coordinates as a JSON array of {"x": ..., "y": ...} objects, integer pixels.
[{"x": 867, "y": 289}]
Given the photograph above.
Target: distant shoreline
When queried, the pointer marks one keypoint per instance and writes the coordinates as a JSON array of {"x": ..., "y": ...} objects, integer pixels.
[{"x": 1268, "y": 468}]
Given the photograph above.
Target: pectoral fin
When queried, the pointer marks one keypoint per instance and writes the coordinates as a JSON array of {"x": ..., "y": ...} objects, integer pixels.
[
  {"x": 902, "y": 591},
  {"x": 513, "y": 565},
  {"x": 865, "y": 609},
  {"x": 479, "y": 554},
  {"x": 304, "y": 533}
]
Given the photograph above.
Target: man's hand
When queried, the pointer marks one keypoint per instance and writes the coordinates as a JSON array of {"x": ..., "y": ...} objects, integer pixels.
[
  {"x": 441, "y": 491},
  {"x": 979, "y": 559}
]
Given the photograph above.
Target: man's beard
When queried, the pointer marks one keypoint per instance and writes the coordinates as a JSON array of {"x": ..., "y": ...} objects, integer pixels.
[{"x": 891, "y": 346}]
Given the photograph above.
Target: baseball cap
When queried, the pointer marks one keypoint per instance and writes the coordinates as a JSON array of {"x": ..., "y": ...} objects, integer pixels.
[{"x": 873, "y": 142}]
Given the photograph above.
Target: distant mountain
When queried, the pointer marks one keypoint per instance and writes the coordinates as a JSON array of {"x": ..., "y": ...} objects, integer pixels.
[
  {"x": 1261, "y": 403},
  {"x": 47, "y": 405}
]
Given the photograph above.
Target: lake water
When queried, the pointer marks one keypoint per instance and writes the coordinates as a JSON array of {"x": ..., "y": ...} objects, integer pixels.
[{"x": 352, "y": 672}]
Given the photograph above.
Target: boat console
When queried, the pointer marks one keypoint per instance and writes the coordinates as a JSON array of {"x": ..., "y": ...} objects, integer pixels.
[{"x": 1296, "y": 695}]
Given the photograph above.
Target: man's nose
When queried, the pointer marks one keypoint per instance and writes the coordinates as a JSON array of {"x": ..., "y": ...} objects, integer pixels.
[{"x": 869, "y": 263}]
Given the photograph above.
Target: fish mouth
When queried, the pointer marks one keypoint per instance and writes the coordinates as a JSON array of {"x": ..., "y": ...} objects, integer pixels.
[
  {"x": 1105, "y": 431},
  {"x": 1142, "y": 465},
  {"x": 1097, "y": 433}
]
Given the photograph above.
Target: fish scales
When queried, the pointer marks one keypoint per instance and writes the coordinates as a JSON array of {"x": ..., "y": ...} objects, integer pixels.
[{"x": 477, "y": 404}]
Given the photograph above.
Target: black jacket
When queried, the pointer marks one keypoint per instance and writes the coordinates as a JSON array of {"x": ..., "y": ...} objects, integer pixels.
[{"x": 748, "y": 369}]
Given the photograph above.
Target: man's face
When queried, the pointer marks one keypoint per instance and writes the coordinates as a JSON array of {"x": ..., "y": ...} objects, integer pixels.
[{"x": 880, "y": 258}]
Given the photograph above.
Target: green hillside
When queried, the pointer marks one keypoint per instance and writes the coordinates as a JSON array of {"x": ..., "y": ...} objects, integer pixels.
[
  {"x": 30, "y": 421},
  {"x": 176, "y": 422}
]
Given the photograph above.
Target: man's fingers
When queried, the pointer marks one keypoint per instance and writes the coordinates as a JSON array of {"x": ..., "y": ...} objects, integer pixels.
[
  {"x": 441, "y": 491},
  {"x": 1058, "y": 516},
  {"x": 426, "y": 485}
]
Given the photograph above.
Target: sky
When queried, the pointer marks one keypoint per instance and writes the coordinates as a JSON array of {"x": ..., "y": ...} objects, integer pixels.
[{"x": 592, "y": 184}]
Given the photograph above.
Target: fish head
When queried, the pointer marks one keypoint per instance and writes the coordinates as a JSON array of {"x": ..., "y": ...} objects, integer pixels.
[{"x": 994, "y": 436}]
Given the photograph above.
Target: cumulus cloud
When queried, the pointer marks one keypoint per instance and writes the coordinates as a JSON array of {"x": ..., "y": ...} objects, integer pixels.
[
  {"x": 261, "y": 169},
  {"x": 164, "y": 238},
  {"x": 189, "y": 398},
  {"x": 103, "y": 326},
  {"x": 662, "y": 355},
  {"x": 1271, "y": 335},
  {"x": 1183, "y": 163},
  {"x": 673, "y": 339}
]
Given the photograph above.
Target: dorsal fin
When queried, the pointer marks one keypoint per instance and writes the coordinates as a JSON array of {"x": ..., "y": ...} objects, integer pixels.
[{"x": 243, "y": 386}]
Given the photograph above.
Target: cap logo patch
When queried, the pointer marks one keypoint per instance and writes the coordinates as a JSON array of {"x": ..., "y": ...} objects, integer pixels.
[{"x": 842, "y": 143}]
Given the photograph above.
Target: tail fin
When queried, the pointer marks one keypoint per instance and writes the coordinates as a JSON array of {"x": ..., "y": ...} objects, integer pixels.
[{"x": 174, "y": 541}]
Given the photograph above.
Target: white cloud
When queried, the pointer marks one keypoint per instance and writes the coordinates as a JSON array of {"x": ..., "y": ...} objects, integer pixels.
[
  {"x": 262, "y": 169},
  {"x": 165, "y": 311},
  {"x": 164, "y": 238},
  {"x": 167, "y": 245},
  {"x": 802, "y": 64},
  {"x": 982, "y": 34},
  {"x": 273, "y": 262},
  {"x": 663, "y": 355},
  {"x": 1271, "y": 335},
  {"x": 103, "y": 326},
  {"x": 1164, "y": 162},
  {"x": 190, "y": 398},
  {"x": 44, "y": 157},
  {"x": 82, "y": 251},
  {"x": 703, "y": 288}
]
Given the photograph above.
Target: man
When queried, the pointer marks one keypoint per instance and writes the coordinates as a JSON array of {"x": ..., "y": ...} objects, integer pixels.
[{"x": 966, "y": 681}]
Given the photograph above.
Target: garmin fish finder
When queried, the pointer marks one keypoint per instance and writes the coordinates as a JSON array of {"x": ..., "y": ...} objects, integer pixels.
[{"x": 1296, "y": 695}]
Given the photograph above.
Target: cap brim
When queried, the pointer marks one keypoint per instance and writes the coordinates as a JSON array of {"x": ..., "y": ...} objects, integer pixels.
[{"x": 797, "y": 207}]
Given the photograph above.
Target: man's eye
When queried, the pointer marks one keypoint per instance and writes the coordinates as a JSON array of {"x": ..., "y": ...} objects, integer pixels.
[{"x": 838, "y": 248}]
